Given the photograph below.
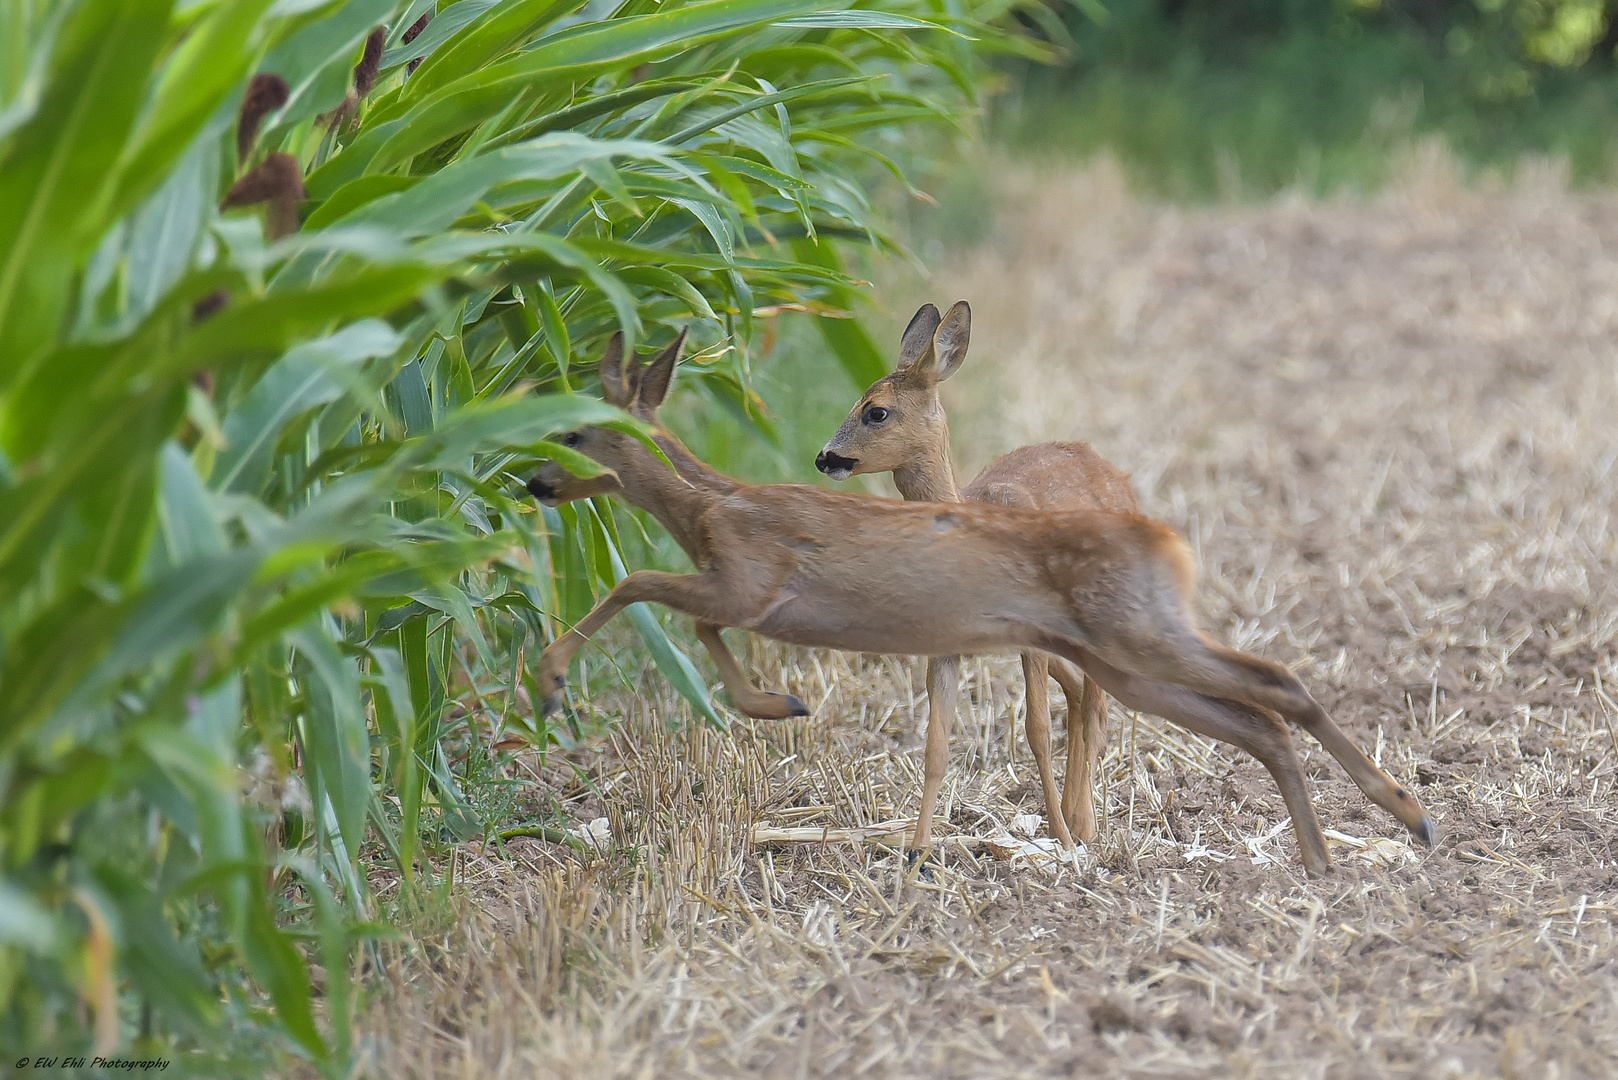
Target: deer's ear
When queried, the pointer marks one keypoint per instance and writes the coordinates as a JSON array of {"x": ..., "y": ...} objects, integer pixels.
[
  {"x": 918, "y": 336},
  {"x": 951, "y": 340},
  {"x": 617, "y": 383},
  {"x": 656, "y": 376}
]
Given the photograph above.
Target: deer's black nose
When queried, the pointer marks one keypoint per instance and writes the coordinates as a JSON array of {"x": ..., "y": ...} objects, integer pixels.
[
  {"x": 828, "y": 463},
  {"x": 540, "y": 490}
]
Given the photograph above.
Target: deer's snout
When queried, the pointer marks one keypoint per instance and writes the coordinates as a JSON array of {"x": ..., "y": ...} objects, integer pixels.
[
  {"x": 836, "y": 465},
  {"x": 539, "y": 489}
]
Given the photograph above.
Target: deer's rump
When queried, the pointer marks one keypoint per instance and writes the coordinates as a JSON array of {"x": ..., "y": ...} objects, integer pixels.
[{"x": 1057, "y": 476}]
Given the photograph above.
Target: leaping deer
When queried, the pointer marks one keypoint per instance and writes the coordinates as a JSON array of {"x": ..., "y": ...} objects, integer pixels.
[
  {"x": 834, "y": 570},
  {"x": 899, "y": 426}
]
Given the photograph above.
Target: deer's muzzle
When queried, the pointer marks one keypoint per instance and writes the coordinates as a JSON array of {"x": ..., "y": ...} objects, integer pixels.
[
  {"x": 835, "y": 465},
  {"x": 540, "y": 490}
]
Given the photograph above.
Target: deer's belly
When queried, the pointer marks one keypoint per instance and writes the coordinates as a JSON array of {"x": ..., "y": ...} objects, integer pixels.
[{"x": 888, "y": 624}]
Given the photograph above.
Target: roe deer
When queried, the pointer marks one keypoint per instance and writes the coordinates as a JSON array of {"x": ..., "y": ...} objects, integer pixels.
[
  {"x": 899, "y": 426},
  {"x": 835, "y": 570}
]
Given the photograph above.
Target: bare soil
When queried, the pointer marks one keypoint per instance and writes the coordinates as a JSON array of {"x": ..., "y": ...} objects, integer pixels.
[{"x": 1390, "y": 430}]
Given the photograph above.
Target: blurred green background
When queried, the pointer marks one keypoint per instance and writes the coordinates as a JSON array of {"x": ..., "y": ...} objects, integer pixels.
[
  {"x": 1205, "y": 100},
  {"x": 1202, "y": 99}
]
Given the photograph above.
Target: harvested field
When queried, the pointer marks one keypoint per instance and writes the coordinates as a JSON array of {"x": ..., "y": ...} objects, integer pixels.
[{"x": 1390, "y": 430}]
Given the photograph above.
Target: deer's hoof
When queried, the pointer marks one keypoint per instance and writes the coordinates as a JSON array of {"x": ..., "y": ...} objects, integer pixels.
[
  {"x": 776, "y": 707},
  {"x": 925, "y": 857},
  {"x": 1425, "y": 832},
  {"x": 1082, "y": 830}
]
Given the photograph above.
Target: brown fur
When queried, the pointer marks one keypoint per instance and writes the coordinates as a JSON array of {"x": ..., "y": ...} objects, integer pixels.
[
  {"x": 911, "y": 440},
  {"x": 800, "y": 564}
]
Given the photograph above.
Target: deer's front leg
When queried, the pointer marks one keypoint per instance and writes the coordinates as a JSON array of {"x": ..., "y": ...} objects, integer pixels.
[
  {"x": 759, "y": 704},
  {"x": 703, "y": 596},
  {"x": 943, "y": 685}
]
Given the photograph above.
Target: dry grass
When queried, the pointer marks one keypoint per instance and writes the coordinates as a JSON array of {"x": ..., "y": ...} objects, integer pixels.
[{"x": 1389, "y": 430}]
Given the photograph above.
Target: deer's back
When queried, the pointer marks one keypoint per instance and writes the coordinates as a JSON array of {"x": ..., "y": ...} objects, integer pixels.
[
  {"x": 850, "y": 571},
  {"x": 1054, "y": 476}
]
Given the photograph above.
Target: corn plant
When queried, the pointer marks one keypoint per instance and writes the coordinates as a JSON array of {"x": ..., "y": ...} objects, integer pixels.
[{"x": 292, "y": 295}]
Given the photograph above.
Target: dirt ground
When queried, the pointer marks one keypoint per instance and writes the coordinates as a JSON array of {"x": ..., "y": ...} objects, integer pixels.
[{"x": 1389, "y": 428}]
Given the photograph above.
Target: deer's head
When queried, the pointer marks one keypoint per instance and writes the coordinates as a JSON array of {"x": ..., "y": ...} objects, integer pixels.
[
  {"x": 899, "y": 421},
  {"x": 636, "y": 388}
]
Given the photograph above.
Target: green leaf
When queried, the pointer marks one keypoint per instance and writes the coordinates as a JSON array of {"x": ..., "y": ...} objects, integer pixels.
[
  {"x": 25, "y": 91},
  {"x": 278, "y": 965},
  {"x": 334, "y": 956},
  {"x": 318, "y": 60},
  {"x": 556, "y": 335},
  {"x": 174, "y": 613},
  {"x": 103, "y": 55},
  {"x": 338, "y": 745},
  {"x": 444, "y": 25},
  {"x": 266, "y": 325},
  {"x": 98, "y": 492},
  {"x": 455, "y": 603},
  {"x": 210, "y": 62},
  {"x": 864, "y": 20},
  {"x": 189, "y": 528},
  {"x": 395, "y": 703},
  {"x": 716, "y": 119},
  {"x": 48, "y": 658},
  {"x": 853, "y": 347},
  {"x": 484, "y": 427},
  {"x": 208, "y": 780},
  {"x": 435, "y": 203},
  {"x": 405, "y": 129},
  {"x": 166, "y": 228},
  {"x": 167, "y": 971},
  {"x": 24, "y": 922},
  {"x": 493, "y": 34},
  {"x": 352, "y": 196},
  {"x": 570, "y": 459},
  {"x": 308, "y": 375}
]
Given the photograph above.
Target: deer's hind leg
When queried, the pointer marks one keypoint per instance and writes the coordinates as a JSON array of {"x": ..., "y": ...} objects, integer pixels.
[
  {"x": 1224, "y": 672},
  {"x": 1259, "y": 733},
  {"x": 1086, "y": 735},
  {"x": 749, "y": 699},
  {"x": 1035, "y": 670}
]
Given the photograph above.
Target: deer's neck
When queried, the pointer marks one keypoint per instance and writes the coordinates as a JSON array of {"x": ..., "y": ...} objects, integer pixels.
[
  {"x": 929, "y": 478},
  {"x": 675, "y": 497}
]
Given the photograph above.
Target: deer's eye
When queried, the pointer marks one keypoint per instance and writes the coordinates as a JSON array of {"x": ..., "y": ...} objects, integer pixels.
[
  {"x": 876, "y": 415},
  {"x": 572, "y": 438}
]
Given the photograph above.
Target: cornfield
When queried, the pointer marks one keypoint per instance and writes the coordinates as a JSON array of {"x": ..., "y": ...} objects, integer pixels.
[{"x": 292, "y": 294}]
